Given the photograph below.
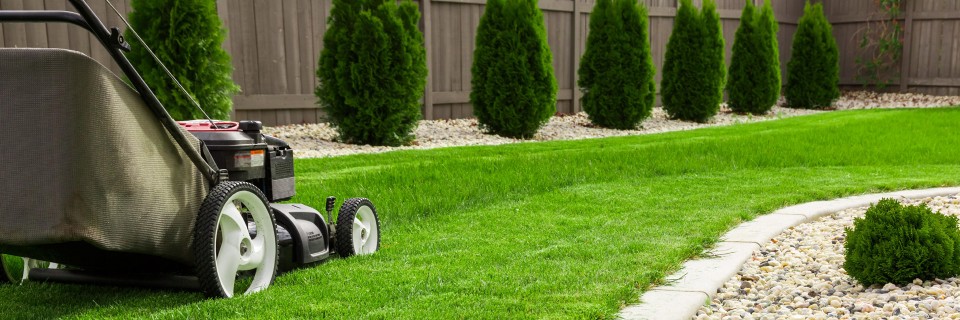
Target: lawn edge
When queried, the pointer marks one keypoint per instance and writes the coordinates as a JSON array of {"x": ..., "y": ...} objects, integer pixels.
[{"x": 697, "y": 281}]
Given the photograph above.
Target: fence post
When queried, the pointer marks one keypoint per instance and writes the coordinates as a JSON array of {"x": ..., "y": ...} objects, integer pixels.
[
  {"x": 577, "y": 37},
  {"x": 428, "y": 44},
  {"x": 905, "y": 57}
]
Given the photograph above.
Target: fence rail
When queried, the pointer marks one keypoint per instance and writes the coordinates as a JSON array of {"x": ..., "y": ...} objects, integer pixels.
[{"x": 275, "y": 46}]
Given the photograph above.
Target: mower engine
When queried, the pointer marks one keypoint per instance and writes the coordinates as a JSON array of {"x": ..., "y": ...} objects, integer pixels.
[
  {"x": 249, "y": 155},
  {"x": 267, "y": 162}
]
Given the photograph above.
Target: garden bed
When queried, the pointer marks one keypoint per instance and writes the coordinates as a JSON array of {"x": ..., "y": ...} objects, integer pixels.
[
  {"x": 318, "y": 140},
  {"x": 799, "y": 275}
]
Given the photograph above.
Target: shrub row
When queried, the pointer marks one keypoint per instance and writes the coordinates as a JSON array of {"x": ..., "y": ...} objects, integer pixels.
[
  {"x": 372, "y": 71},
  {"x": 514, "y": 92}
]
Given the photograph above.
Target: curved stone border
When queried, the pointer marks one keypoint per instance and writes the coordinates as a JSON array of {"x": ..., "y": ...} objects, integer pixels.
[{"x": 698, "y": 280}]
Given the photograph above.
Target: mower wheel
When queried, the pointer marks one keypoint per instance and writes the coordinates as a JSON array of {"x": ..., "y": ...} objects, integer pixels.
[
  {"x": 227, "y": 247},
  {"x": 358, "y": 228},
  {"x": 14, "y": 269}
]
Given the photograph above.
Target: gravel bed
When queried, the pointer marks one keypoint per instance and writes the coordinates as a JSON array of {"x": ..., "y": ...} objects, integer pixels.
[
  {"x": 319, "y": 140},
  {"x": 799, "y": 275}
]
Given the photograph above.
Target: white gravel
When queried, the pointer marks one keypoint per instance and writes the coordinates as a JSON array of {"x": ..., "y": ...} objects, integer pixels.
[
  {"x": 318, "y": 140},
  {"x": 799, "y": 275}
]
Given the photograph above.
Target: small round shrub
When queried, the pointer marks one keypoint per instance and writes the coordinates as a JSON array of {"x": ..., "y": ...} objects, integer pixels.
[
  {"x": 187, "y": 36},
  {"x": 616, "y": 72},
  {"x": 693, "y": 69},
  {"x": 813, "y": 73},
  {"x": 896, "y": 244},
  {"x": 372, "y": 71},
  {"x": 514, "y": 91}
]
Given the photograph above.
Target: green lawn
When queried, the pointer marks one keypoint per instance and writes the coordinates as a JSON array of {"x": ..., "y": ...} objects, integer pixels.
[{"x": 555, "y": 230}]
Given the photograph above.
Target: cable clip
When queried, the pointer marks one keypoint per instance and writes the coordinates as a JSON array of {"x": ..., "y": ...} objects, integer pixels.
[{"x": 117, "y": 40}]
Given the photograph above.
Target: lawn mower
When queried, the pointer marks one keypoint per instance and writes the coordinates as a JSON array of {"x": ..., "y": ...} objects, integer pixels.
[{"x": 100, "y": 185}]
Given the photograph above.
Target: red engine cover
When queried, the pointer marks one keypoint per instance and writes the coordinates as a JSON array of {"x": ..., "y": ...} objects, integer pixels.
[{"x": 206, "y": 126}]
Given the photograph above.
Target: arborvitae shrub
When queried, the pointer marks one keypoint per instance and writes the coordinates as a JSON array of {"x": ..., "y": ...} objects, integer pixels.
[
  {"x": 813, "y": 73},
  {"x": 514, "y": 92},
  {"x": 616, "y": 71},
  {"x": 372, "y": 71},
  {"x": 769, "y": 27},
  {"x": 754, "y": 84},
  {"x": 714, "y": 51},
  {"x": 896, "y": 244},
  {"x": 187, "y": 36},
  {"x": 694, "y": 71}
]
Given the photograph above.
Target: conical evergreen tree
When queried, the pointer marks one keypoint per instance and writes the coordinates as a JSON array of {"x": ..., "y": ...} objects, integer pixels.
[
  {"x": 754, "y": 85},
  {"x": 770, "y": 27},
  {"x": 372, "y": 71},
  {"x": 616, "y": 72},
  {"x": 813, "y": 73},
  {"x": 713, "y": 54},
  {"x": 694, "y": 71},
  {"x": 187, "y": 36},
  {"x": 514, "y": 91}
]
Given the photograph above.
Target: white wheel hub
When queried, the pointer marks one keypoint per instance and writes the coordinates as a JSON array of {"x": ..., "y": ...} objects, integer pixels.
[
  {"x": 365, "y": 232},
  {"x": 238, "y": 250}
]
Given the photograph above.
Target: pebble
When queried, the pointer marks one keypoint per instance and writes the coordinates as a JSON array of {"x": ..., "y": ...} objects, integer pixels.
[
  {"x": 809, "y": 281},
  {"x": 320, "y": 139}
]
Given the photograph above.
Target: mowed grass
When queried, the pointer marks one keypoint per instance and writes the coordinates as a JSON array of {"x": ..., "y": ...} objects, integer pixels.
[{"x": 554, "y": 230}]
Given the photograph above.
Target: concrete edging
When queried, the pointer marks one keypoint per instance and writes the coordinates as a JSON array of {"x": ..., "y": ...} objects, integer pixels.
[{"x": 698, "y": 280}]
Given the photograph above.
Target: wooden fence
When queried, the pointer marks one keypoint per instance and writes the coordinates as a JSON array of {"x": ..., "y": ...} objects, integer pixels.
[
  {"x": 931, "y": 43},
  {"x": 275, "y": 45}
]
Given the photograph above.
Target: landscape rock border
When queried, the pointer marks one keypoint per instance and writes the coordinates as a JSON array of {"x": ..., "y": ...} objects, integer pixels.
[
  {"x": 320, "y": 139},
  {"x": 698, "y": 280}
]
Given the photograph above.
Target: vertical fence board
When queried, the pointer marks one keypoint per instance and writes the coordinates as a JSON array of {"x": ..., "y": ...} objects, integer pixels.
[
  {"x": 57, "y": 32},
  {"x": 270, "y": 35},
  {"x": 956, "y": 57},
  {"x": 36, "y": 34},
  {"x": 14, "y": 34},
  {"x": 308, "y": 62},
  {"x": 247, "y": 40},
  {"x": 427, "y": 20},
  {"x": 291, "y": 45},
  {"x": 908, "y": 44},
  {"x": 576, "y": 38}
]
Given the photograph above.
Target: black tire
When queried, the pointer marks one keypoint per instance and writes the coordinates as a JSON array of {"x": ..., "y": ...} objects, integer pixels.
[
  {"x": 345, "y": 218},
  {"x": 205, "y": 237}
]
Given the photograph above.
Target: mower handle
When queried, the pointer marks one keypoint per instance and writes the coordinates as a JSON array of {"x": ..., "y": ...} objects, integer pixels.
[
  {"x": 113, "y": 41},
  {"x": 43, "y": 16}
]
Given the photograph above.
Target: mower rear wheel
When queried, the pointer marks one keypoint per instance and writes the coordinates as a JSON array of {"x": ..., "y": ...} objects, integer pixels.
[
  {"x": 227, "y": 248},
  {"x": 15, "y": 269},
  {"x": 358, "y": 228}
]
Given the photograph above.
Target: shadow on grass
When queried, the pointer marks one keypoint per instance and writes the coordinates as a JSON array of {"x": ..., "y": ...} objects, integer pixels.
[{"x": 50, "y": 301}]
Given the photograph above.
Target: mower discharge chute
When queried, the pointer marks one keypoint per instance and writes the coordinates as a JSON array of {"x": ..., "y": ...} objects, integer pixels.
[{"x": 100, "y": 185}]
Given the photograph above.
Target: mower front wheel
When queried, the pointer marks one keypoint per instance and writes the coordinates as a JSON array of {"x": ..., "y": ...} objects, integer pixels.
[
  {"x": 358, "y": 228},
  {"x": 235, "y": 236}
]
